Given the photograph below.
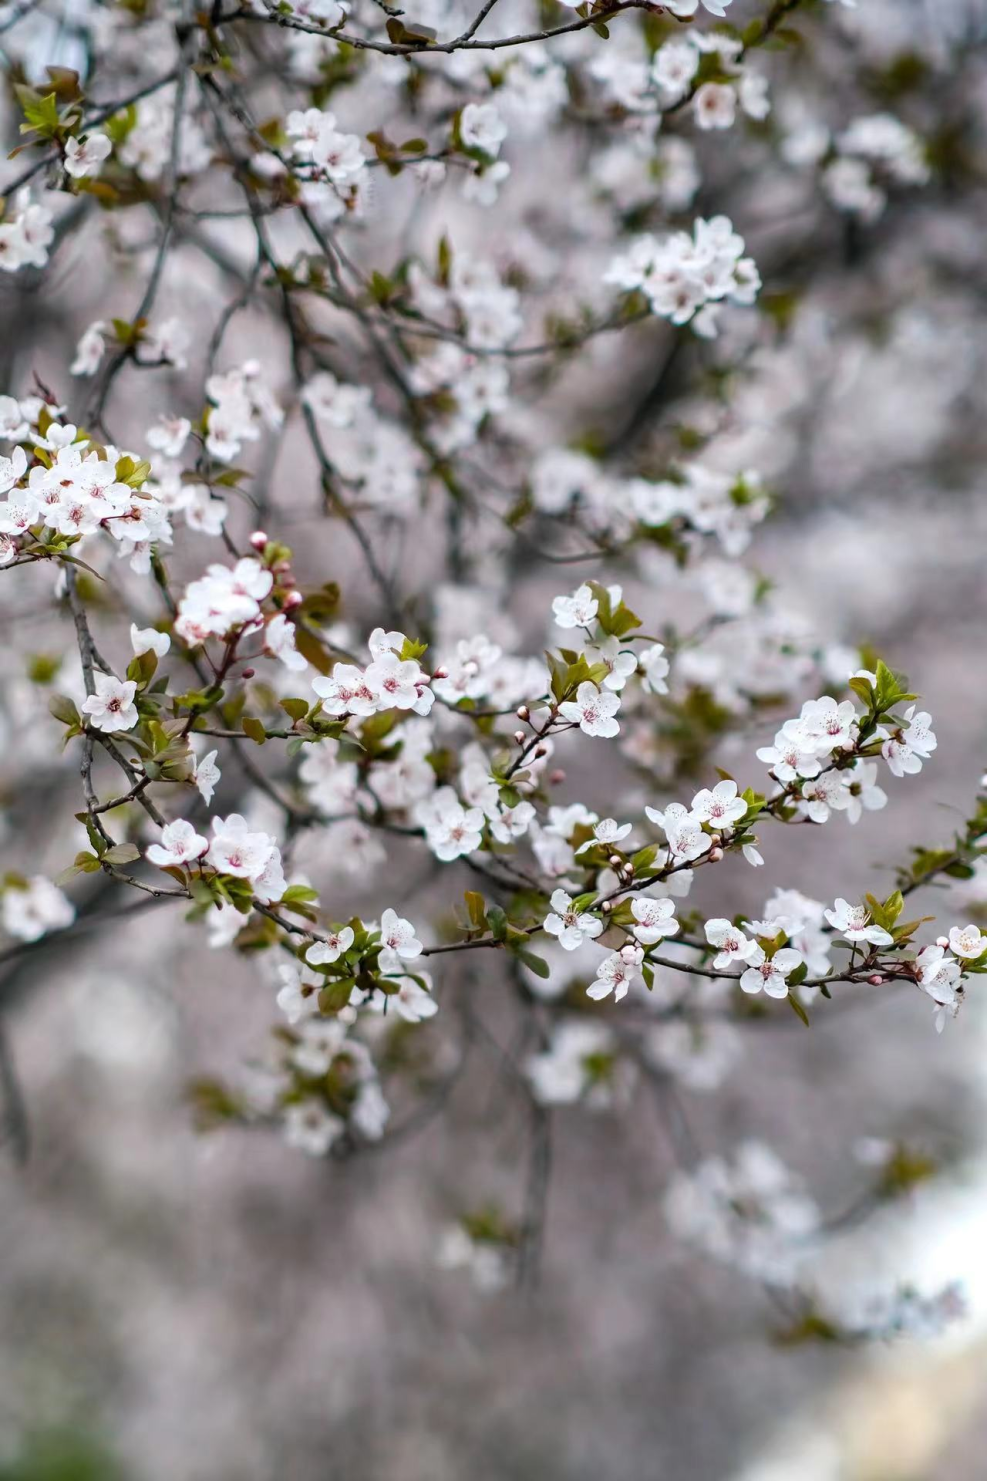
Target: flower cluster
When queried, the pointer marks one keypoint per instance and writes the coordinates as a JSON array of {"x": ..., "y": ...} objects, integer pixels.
[{"x": 684, "y": 278}]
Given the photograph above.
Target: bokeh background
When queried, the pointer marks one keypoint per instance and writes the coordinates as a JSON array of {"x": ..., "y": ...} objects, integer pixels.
[{"x": 185, "y": 1307}]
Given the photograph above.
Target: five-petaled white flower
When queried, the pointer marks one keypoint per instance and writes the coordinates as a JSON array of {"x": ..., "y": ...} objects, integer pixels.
[
  {"x": 112, "y": 706},
  {"x": 608, "y": 832},
  {"x": 967, "y": 942},
  {"x": 85, "y": 156},
  {"x": 593, "y": 710},
  {"x": 852, "y": 923},
  {"x": 235, "y": 850},
  {"x": 572, "y": 927},
  {"x": 450, "y": 828},
  {"x": 613, "y": 975},
  {"x": 179, "y": 845},
  {"x": 577, "y": 610},
  {"x": 331, "y": 949},
  {"x": 398, "y": 935},
  {"x": 720, "y": 807},
  {"x": 731, "y": 943},
  {"x": 655, "y": 919},
  {"x": 769, "y": 975}
]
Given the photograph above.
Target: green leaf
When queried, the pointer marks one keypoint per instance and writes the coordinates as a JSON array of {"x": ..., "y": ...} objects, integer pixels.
[
  {"x": 121, "y": 853},
  {"x": 63, "y": 709},
  {"x": 498, "y": 923},
  {"x": 296, "y": 708},
  {"x": 253, "y": 727},
  {"x": 336, "y": 995},
  {"x": 476, "y": 905}
]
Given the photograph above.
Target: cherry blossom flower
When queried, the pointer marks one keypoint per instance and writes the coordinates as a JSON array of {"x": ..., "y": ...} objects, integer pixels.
[
  {"x": 654, "y": 666},
  {"x": 715, "y": 106},
  {"x": 824, "y": 794},
  {"x": 296, "y": 997},
  {"x": 577, "y": 610},
  {"x": 593, "y": 710},
  {"x": 235, "y": 850},
  {"x": 331, "y": 949},
  {"x": 398, "y": 684},
  {"x": 720, "y": 807},
  {"x": 790, "y": 756},
  {"x": 769, "y": 976},
  {"x": 655, "y": 919},
  {"x": 852, "y": 923},
  {"x": 85, "y": 156},
  {"x": 169, "y": 435},
  {"x": 941, "y": 977},
  {"x": 828, "y": 726},
  {"x": 614, "y": 975},
  {"x": 398, "y": 935},
  {"x": 572, "y": 927},
  {"x": 481, "y": 127},
  {"x": 346, "y": 691},
  {"x": 607, "y": 832},
  {"x": 967, "y": 942},
  {"x": 731, "y": 943},
  {"x": 450, "y": 829},
  {"x": 906, "y": 750},
  {"x": 686, "y": 839},
  {"x": 112, "y": 706},
  {"x": 32, "y": 907},
  {"x": 309, "y": 1127},
  {"x": 179, "y": 845}
]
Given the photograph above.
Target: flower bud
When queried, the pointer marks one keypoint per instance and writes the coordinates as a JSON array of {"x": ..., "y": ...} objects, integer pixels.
[
  {"x": 541, "y": 751},
  {"x": 441, "y": 672},
  {"x": 292, "y": 599},
  {"x": 519, "y": 737},
  {"x": 942, "y": 941},
  {"x": 258, "y": 539},
  {"x": 248, "y": 673},
  {"x": 715, "y": 855},
  {"x": 875, "y": 979},
  {"x": 606, "y": 907},
  {"x": 523, "y": 713},
  {"x": 615, "y": 861},
  {"x": 557, "y": 776}
]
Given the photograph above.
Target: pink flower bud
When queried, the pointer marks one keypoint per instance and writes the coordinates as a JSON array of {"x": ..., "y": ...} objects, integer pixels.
[
  {"x": 557, "y": 776},
  {"x": 248, "y": 673},
  {"x": 441, "y": 672},
  {"x": 258, "y": 539},
  {"x": 615, "y": 861},
  {"x": 875, "y": 979},
  {"x": 715, "y": 855},
  {"x": 523, "y": 713},
  {"x": 519, "y": 737},
  {"x": 292, "y": 599},
  {"x": 942, "y": 941},
  {"x": 606, "y": 907},
  {"x": 541, "y": 751}
]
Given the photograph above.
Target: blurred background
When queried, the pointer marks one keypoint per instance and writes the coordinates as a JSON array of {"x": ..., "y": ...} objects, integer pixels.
[{"x": 177, "y": 1306}]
